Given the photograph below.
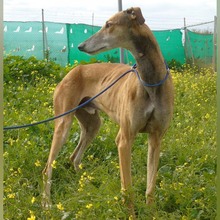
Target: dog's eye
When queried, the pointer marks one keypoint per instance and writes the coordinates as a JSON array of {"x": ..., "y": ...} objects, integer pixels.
[{"x": 108, "y": 24}]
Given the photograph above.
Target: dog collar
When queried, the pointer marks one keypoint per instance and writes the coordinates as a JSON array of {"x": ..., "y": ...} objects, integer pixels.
[{"x": 134, "y": 68}]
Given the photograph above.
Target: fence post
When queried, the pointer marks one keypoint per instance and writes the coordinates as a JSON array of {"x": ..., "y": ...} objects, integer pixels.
[
  {"x": 185, "y": 49},
  {"x": 92, "y": 23},
  {"x": 187, "y": 41},
  {"x": 45, "y": 46},
  {"x": 43, "y": 28}
]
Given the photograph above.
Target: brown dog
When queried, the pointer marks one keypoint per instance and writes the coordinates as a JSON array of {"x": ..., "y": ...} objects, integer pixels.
[{"x": 134, "y": 106}]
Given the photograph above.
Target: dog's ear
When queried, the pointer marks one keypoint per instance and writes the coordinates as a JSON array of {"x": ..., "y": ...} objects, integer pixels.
[{"x": 136, "y": 13}]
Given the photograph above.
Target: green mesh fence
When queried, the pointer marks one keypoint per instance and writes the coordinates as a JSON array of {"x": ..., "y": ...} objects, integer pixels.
[
  {"x": 171, "y": 45},
  {"x": 199, "y": 47},
  {"x": 76, "y": 34},
  {"x": 26, "y": 39}
]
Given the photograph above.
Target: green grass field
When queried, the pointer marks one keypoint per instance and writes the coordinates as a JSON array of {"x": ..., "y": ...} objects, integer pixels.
[{"x": 186, "y": 187}]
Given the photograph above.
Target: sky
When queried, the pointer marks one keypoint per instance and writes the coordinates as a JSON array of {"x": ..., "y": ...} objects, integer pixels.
[{"x": 159, "y": 14}]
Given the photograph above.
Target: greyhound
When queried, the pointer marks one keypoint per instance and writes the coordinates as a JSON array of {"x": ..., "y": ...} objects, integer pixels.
[{"x": 137, "y": 108}]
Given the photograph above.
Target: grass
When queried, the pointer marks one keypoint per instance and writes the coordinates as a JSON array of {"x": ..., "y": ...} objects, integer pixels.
[{"x": 185, "y": 189}]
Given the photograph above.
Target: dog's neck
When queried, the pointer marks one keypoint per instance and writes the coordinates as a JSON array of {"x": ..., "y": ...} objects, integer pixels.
[{"x": 148, "y": 56}]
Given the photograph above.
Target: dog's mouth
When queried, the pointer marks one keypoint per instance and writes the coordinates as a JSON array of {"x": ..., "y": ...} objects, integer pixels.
[
  {"x": 96, "y": 51},
  {"x": 83, "y": 48}
]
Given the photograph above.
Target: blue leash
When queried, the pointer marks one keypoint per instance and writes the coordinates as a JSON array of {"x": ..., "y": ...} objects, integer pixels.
[
  {"x": 152, "y": 85},
  {"x": 133, "y": 69}
]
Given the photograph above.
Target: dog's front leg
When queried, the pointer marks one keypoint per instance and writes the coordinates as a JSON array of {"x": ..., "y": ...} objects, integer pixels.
[
  {"x": 152, "y": 165},
  {"x": 47, "y": 174},
  {"x": 124, "y": 143}
]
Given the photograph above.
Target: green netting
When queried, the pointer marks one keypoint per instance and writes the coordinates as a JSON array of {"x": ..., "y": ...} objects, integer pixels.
[
  {"x": 77, "y": 33},
  {"x": 171, "y": 45},
  {"x": 199, "y": 46},
  {"x": 26, "y": 39}
]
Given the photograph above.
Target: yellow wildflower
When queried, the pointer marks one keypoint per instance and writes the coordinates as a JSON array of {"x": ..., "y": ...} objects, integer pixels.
[
  {"x": 202, "y": 189},
  {"x": 32, "y": 216},
  {"x": 33, "y": 200},
  {"x": 37, "y": 163},
  {"x": 54, "y": 164},
  {"x": 90, "y": 177},
  {"x": 89, "y": 206},
  {"x": 60, "y": 206},
  {"x": 11, "y": 195},
  {"x": 116, "y": 198},
  {"x": 90, "y": 157},
  {"x": 207, "y": 116},
  {"x": 79, "y": 214},
  {"x": 80, "y": 166},
  {"x": 5, "y": 154}
]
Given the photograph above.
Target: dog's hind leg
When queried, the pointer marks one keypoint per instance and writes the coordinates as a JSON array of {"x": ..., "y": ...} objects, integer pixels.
[
  {"x": 89, "y": 124},
  {"x": 62, "y": 103},
  {"x": 62, "y": 127}
]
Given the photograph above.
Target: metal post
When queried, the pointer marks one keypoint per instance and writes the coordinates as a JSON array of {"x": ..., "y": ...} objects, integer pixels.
[
  {"x": 188, "y": 44},
  {"x": 119, "y": 5},
  {"x": 121, "y": 49},
  {"x": 43, "y": 33},
  {"x": 185, "y": 46},
  {"x": 92, "y": 23}
]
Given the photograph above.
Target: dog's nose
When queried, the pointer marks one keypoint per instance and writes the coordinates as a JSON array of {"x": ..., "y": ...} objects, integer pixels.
[{"x": 81, "y": 46}]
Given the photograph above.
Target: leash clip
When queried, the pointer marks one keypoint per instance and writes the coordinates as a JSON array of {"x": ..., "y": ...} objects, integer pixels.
[{"x": 134, "y": 66}]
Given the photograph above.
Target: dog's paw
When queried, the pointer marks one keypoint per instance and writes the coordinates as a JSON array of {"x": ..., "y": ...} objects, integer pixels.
[{"x": 46, "y": 202}]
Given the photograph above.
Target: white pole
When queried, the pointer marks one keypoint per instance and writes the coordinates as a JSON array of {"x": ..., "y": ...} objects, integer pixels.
[{"x": 43, "y": 29}]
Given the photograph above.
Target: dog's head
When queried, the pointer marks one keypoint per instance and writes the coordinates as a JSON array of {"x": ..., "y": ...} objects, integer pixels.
[{"x": 115, "y": 33}]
